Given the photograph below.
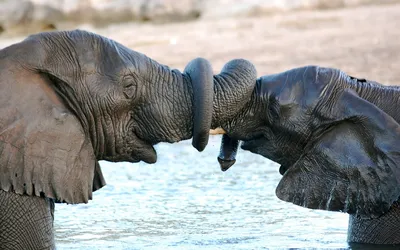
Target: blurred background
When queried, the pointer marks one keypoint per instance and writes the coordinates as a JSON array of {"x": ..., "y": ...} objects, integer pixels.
[{"x": 184, "y": 201}]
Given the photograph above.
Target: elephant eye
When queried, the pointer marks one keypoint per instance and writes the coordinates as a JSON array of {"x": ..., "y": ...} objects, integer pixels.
[
  {"x": 130, "y": 91},
  {"x": 130, "y": 87}
]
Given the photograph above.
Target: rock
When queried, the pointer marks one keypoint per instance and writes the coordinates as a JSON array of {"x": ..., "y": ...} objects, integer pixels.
[
  {"x": 38, "y": 15},
  {"x": 224, "y": 8},
  {"x": 170, "y": 10},
  {"x": 22, "y": 16}
]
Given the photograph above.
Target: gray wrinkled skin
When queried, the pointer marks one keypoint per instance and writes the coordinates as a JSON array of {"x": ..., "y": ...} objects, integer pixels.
[
  {"x": 72, "y": 98},
  {"x": 382, "y": 230},
  {"x": 337, "y": 141},
  {"x": 26, "y": 222},
  {"x": 69, "y": 99}
]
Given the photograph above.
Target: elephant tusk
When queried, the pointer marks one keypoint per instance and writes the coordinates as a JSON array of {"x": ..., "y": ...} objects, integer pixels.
[{"x": 217, "y": 131}]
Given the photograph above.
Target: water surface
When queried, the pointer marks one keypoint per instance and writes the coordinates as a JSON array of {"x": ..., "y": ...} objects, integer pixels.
[{"x": 184, "y": 201}]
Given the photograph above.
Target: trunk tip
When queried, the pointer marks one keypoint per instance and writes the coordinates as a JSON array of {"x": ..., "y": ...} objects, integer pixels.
[
  {"x": 200, "y": 141},
  {"x": 201, "y": 75}
]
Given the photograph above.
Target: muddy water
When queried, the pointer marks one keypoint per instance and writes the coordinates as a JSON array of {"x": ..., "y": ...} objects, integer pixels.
[{"x": 185, "y": 202}]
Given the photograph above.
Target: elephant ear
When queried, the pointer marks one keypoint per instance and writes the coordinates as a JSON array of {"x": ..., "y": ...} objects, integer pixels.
[
  {"x": 353, "y": 166},
  {"x": 43, "y": 148}
]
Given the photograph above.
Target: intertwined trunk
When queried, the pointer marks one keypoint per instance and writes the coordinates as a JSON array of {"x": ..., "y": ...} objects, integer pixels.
[{"x": 233, "y": 89}]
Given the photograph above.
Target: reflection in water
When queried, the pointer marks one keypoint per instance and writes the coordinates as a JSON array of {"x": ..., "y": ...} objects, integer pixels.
[{"x": 184, "y": 201}]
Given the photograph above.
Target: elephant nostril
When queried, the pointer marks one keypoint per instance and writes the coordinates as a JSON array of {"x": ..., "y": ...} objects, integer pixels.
[{"x": 225, "y": 164}]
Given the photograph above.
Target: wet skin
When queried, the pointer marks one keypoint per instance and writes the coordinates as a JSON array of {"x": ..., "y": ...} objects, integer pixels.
[{"x": 337, "y": 139}]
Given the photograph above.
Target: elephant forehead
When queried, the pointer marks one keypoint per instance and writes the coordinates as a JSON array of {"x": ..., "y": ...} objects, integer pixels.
[{"x": 297, "y": 86}]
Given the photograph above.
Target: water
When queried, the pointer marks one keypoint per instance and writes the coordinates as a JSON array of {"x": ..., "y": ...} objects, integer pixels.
[{"x": 184, "y": 201}]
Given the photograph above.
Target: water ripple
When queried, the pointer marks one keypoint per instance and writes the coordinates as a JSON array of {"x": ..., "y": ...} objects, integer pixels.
[{"x": 184, "y": 201}]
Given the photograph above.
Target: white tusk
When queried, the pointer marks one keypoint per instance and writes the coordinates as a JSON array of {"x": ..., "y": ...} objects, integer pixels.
[{"x": 217, "y": 131}]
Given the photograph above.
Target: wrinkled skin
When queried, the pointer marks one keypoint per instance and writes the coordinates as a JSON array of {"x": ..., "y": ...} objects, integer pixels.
[
  {"x": 337, "y": 139},
  {"x": 69, "y": 99}
]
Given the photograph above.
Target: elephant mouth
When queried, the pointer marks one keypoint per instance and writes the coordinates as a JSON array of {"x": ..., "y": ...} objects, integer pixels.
[
  {"x": 228, "y": 149},
  {"x": 144, "y": 151},
  {"x": 283, "y": 169}
]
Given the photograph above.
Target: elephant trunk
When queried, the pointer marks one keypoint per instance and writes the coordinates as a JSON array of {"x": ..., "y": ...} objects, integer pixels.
[
  {"x": 233, "y": 88},
  {"x": 201, "y": 74},
  {"x": 238, "y": 77},
  {"x": 228, "y": 151}
]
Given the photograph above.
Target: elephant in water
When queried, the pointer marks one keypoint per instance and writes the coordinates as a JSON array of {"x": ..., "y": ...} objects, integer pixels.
[
  {"x": 69, "y": 99},
  {"x": 337, "y": 139}
]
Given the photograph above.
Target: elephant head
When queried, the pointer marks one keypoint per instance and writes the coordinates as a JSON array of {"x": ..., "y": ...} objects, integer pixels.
[
  {"x": 69, "y": 99},
  {"x": 336, "y": 138}
]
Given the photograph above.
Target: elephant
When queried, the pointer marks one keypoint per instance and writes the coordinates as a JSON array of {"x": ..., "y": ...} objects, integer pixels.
[
  {"x": 69, "y": 99},
  {"x": 337, "y": 140}
]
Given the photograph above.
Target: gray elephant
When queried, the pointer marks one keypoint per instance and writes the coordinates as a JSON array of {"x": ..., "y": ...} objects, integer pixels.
[
  {"x": 337, "y": 139},
  {"x": 69, "y": 99}
]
